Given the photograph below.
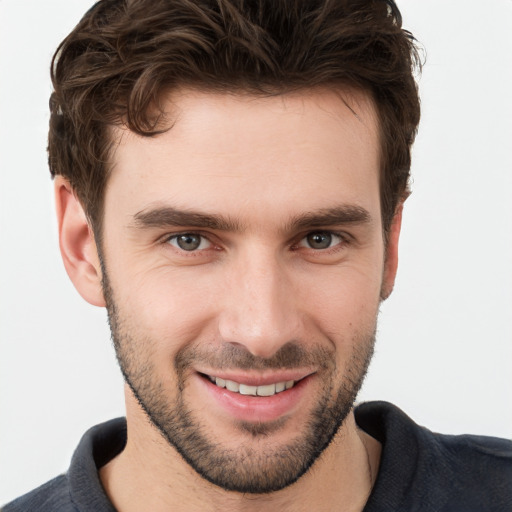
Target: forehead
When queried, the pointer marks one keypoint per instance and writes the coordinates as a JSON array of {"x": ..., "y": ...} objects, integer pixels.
[{"x": 233, "y": 151}]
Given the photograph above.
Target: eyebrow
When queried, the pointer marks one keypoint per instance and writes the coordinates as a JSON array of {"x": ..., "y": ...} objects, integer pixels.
[
  {"x": 165, "y": 216},
  {"x": 344, "y": 214}
]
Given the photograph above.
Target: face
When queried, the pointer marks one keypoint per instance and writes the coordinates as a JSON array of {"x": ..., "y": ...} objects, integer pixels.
[{"x": 243, "y": 265}]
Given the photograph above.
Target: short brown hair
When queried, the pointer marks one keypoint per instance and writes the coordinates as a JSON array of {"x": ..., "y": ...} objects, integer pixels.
[{"x": 123, "y": 54}]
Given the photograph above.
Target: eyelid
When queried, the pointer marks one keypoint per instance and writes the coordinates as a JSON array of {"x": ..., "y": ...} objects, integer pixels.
[
  {"x": 344, "y": 237},
  {"x": 169, "y": 236}
]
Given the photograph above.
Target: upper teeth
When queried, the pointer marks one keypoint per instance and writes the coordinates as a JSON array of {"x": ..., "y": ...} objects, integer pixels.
[{"x": 244, "y": 389}]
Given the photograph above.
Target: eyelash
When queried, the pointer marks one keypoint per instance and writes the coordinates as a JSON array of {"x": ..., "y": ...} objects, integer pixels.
[
  {"x": 175, "y": 236},
  {"x": 344, "y": 240}
]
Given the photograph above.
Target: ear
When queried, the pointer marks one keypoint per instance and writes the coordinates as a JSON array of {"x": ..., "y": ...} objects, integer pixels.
[
  {"x": 77, "y": 244},
  {"x": 391, "y": 256}
]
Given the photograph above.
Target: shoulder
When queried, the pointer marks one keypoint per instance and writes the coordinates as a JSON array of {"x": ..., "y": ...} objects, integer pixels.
[
  {"x": 482, "y": 449},
  {"x": 476, "y": 469},
  {"x": 80, "y": 488},
  {"x": 440, "y": 472},
  {"x": 51, "y": 496}
]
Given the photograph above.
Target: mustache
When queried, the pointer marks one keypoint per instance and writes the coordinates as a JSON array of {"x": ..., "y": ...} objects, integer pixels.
[{"x": 229, "y": 356}]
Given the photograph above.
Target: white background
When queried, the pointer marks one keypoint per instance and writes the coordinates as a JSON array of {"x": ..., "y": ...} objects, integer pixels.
[{"x": 444, "y": 351}]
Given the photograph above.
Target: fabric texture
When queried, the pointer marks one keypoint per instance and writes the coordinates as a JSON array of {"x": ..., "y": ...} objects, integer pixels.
[{"x": 420, "y": 471}]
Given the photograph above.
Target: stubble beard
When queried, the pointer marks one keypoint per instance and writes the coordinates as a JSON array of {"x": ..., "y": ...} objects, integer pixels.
[{"x": 257, "y": 466}]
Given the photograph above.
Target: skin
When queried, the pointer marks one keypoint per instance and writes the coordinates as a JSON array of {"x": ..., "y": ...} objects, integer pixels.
[{"x": 255, "y": 284}]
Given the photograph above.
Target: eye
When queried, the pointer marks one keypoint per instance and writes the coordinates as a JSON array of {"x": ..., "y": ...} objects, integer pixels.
[
  {"x": 319, "y": 240},
  {"x": 189, "y": 242}
]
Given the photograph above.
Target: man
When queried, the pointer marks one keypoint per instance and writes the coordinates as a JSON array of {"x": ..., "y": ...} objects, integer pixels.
[{"x": 229, "y": 184}]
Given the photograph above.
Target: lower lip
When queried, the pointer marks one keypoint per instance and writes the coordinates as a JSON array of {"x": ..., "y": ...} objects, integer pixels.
[{"x": 257, "y": 409}]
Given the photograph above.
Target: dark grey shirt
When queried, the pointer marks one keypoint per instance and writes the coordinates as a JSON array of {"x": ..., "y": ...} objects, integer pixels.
[{"x": 419, "y": 470}]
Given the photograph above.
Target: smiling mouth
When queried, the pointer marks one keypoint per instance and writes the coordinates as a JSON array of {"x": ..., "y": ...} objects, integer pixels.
[{"x": 245, "y": 389}]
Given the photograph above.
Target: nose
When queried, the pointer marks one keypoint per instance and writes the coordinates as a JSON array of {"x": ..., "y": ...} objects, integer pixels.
[{"x": 260, "y": 309}]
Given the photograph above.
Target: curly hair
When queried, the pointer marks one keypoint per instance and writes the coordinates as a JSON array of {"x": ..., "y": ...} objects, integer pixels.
[{"x": 124, "y": 55}]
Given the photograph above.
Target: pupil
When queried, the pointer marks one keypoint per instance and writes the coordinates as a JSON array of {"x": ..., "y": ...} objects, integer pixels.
[
  {"x": 189, "y": 242},
  {"x": 319, "y": 240}
]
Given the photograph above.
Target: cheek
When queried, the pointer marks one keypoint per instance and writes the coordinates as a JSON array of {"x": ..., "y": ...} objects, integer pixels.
[
  {"x": 348, "y": 292},
  {"x": 344, "y": 310},
  {"x": 166, "y": 305},
  {"x": 176, "y": 306}
]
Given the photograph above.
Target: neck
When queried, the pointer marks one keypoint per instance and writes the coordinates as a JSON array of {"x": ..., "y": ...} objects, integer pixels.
[{"x": 150, "y": 475}]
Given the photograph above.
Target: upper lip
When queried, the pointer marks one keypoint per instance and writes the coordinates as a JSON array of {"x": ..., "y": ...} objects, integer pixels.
[{"x": 259, "y": 379}]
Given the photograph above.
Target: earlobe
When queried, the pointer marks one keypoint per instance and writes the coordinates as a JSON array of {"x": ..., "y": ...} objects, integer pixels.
[
  {"x": 77, "y": 244},
  {"x": 391, "y": 260}
]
